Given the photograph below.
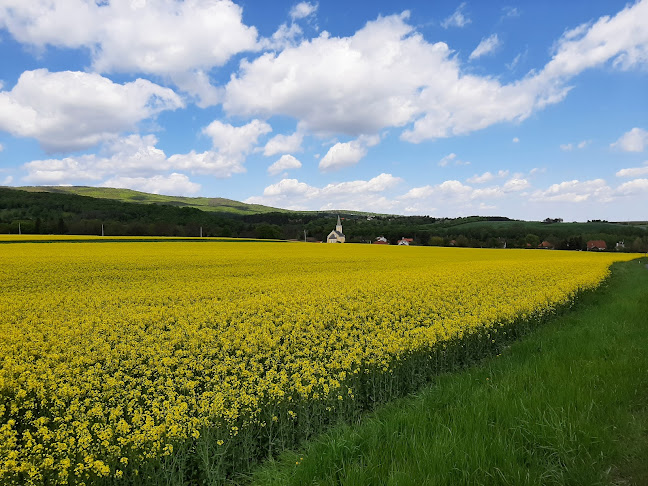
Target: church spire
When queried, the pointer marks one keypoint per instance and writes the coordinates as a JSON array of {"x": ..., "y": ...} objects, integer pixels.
[{"x": 338, "y": 227}]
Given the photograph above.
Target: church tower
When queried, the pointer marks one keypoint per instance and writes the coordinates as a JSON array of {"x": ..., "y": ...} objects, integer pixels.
[{"x": 338, "y": 227}]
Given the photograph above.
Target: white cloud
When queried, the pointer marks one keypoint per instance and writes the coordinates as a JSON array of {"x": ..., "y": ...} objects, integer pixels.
[
  {"x": 7, "y": 180},
  {"x": 173, "y": 185},
  {"x": 285, "y": 36},
  {"x": 136, "y": 158},
  {"x": 457, "y": 19},
  {"x": 159, "y": 37},
  {"x": 388, "y": 75},
  {"x": 68, "y": 110},
  {"x": 516, "y": 140},
  {"x": 361, "y": 195},
  {"x": 516, "y": 184},
  {"x": 486, "y": 46},
  {"x": 286, "y": 162},
  {"x": 451, "y": 159},
  {"x": 1, "y": 147},
  {"x": 634, "y": 171},
  {"x": 636, "y": 186},
  {"x": 568, "y": 147},
  {"x": 133, "y": 156},
  {"x": 283, "y": 144},
  {"x": 209, "y": 162},
  {"x": 622, "y": 39},
  {"x": 510, "y": 12},
  {"x": 348, "y": 153},
  {"x": 447, "y": 190},
  {"x": 235, "y": 141},
  {"x": 575, "y": 192},
  {"x": 487, "y": 177},
  {"x": 635, "y": 140},
  {"x": 303, "y": 10}
]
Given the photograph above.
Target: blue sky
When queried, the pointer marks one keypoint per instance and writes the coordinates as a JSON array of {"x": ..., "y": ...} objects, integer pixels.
[{"x": 521, "y": 109}]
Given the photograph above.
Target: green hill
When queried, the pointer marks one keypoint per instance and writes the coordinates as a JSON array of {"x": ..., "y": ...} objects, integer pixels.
[{"x": 213, "y": 204}]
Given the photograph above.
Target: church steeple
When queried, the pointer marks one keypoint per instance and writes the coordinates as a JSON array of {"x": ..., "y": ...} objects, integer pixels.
[{"x": 338, "y": 227}]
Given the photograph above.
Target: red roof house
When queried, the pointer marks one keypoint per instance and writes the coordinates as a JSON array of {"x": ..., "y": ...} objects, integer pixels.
[{"x": 596, "y": 245}]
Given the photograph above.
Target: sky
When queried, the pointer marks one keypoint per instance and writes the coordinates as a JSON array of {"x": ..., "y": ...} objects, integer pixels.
[{"x": 523, "y": 109}]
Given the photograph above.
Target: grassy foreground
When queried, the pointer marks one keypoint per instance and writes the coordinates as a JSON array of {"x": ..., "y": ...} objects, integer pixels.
[{"x": 566, "y": 405}]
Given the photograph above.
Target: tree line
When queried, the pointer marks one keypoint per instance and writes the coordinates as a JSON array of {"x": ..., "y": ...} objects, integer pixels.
[{"x": 55, "y": 213}]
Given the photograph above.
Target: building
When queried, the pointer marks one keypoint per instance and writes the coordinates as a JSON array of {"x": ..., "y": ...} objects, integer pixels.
[
  {"x": 596, "y": 245},
  {"x": 336, "y": 236},
  {"x": 405, "y": 241},
  {"x": 546, "y": 245},
  {"x": 381, "y": 240}
]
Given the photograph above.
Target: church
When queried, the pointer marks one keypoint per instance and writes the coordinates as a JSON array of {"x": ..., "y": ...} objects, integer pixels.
[{"x": 336, "y": 236}]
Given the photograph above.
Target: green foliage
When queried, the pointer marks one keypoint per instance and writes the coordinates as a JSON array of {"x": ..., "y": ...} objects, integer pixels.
[{"x": 82, "y": 210}]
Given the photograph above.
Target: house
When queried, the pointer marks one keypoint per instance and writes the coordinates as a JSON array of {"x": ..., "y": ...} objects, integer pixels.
[
  {"x": 336, "y": 236},
  {"x": 546, "y": 245},
  {"x": 596, "y": 245},
  {"x": 620, "y": 245},
  {"x": 405, "y": 241},
  {"x": 381, "y": 240}
]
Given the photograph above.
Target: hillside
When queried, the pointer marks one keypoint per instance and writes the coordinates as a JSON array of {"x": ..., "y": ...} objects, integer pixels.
[
  {"x": 213, "y": 204},
  {"x": 122, "y": 212}
]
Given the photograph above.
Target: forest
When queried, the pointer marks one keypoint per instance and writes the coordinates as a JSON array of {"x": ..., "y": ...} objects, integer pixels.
[{"x": 62, "y": 213}]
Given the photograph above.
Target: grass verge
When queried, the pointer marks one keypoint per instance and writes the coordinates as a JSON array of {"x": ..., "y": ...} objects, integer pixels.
[{"x": 568, "y": 404}]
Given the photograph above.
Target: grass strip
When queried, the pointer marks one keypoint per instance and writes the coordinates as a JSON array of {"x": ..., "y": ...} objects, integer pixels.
[{"x": 568, "y": 404}]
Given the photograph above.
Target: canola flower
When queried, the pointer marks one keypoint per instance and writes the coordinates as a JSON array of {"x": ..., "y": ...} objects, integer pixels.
[{"x": 113, "y": 355}]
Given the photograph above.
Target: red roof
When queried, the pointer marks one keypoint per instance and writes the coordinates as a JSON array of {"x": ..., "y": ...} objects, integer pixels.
[
  {"x": 596, "y": 245},
  {"x": 380, "y": 243}
]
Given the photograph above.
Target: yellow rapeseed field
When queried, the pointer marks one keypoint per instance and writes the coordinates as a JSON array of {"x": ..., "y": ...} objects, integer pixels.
[{"x": 114, "y": 354}]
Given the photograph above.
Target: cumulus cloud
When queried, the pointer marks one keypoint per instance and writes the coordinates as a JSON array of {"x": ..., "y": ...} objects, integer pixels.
[
  {"x": 7, "y": 180},
  {"x": 159, "y": 37},
  {"x": 516, "y": 184},
  {"x": 232, "y": 140},
  {"x": 486, "y": 46},
  {"x": 457, "y": 19},
  {"x": 173, "y": 185},
  {"x": 132, "y": 156},
  {"x": 575, "y": 191},
  {"x": 364, "y": 195},
  {"x": 634, "y": 171},
  {"x": 516, "y": 140},
  {"x": 68, "y": 110},
  {"x": 634, "y": 187},
  {"x": 387, "y": 75},
  {"x": 303, "y": 10},
  {"x": 136, "y": 158},
  {"x": 635, "y": 140},
  {"x": 347, "y": 153},
  {"x": 286, "y": 162},
  {"x": 487, "y": 177},
  {"x": 283, "y": 144}
]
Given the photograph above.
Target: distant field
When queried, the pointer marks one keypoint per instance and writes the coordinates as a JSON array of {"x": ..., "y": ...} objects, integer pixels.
[{"x": 188, "y": 362}]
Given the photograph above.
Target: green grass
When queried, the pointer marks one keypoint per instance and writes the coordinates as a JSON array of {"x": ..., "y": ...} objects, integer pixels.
[{"x": 568, "y": 404}]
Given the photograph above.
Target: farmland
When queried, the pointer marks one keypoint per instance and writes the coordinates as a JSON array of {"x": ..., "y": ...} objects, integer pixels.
[{"x": 135, "y": 361}]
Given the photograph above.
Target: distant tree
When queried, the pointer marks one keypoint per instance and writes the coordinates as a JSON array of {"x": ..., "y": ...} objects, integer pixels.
[{"x": 436, "y": 241}]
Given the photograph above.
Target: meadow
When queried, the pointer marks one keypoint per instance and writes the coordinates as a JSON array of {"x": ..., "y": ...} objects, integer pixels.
[{"x": 187, "y": 362}]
